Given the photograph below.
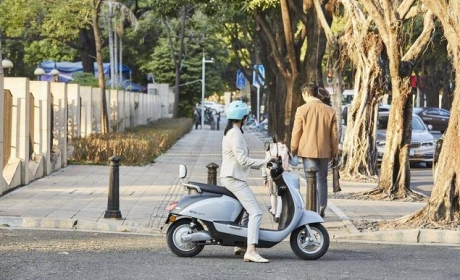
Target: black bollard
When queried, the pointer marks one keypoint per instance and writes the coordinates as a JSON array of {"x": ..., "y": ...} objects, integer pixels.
[
  {"x": 212, "y": 173},
  {"x": 113, "y": 204},
  {"x": 310, "y": 203}
]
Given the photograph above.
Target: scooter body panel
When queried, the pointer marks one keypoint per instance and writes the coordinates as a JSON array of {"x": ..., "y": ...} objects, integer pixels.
[
  {"x": 209, "y": 207},
  {"x": 300, "y": 217},
  {"x": 309, "y": 217}
]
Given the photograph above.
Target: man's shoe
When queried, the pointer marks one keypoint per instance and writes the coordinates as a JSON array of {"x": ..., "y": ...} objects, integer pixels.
[
  {"x": 254, "y": 257},
  {"x": 322, "y": 212},
  {"x": 239, "y": 250}
]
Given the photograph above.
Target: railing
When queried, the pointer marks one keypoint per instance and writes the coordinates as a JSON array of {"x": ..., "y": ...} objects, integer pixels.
[{"x": 41, "y": 118}]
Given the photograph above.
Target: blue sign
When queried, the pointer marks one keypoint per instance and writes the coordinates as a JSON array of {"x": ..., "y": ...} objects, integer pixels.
[
  {"x": 258, "y": 76},
  {"x": 240, "y": 79}
]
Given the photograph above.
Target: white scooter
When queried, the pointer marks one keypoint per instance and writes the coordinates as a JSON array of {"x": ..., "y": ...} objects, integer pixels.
[{"x": 210, "y": 215}]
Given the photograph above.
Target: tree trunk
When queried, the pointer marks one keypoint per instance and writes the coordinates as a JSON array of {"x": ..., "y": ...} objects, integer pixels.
[
  {"x": 101, "y": 80},
  {"x": 388, "y": 17},
  {"x": 444, "y": 204},
  {"x": 178, "y": 62},
  {"x": 87, "y": 49},
  {"x": 359, "y": 151},
  {"x": 309, "y": 71},
  {"x": 283, "y": 30},
  {"x": 395, "y": 169},
  {"x": 111, "y": 48},
  {"x": 290, "y": 107}
]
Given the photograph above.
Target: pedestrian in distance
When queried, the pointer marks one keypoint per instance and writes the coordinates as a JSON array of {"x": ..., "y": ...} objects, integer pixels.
[
  {"x": 197, "y": 115},
  {"x": 233, "y": 174},
  {"x": 314, "y": 138}
]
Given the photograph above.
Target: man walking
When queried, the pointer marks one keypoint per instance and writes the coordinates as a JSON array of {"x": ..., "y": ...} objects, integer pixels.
[
  {"x": 197, "y": 114},
  {"x": 314, "y": 138}
]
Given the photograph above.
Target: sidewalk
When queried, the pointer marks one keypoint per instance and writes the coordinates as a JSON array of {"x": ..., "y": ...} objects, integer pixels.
[{"x": 76, "y": 197}]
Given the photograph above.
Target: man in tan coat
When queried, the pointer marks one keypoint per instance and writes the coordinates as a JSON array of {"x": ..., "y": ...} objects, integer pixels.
[{"x": 314, "y": 138}]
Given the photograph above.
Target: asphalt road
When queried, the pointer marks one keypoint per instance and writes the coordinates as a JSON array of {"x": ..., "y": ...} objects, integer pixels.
[{"x": 32, "y": 254}]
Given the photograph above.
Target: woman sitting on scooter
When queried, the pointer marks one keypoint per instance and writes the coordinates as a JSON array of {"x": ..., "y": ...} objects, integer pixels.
[{"x": 235, "y": 168}]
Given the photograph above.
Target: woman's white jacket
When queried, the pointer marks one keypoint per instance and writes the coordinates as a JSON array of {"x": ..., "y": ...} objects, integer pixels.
[{"x": 235, "y": 156}]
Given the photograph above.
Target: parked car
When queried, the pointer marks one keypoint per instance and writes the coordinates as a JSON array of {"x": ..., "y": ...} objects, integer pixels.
[
  {"x": 216, "y": 107},
  {"x": 436, "y": 117},
  {"x": 422, "y": 145},
  {"x": 382, "y": 108}
]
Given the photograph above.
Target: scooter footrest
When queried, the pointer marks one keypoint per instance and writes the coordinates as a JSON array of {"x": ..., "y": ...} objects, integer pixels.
[{"x": 267, "y": 229}]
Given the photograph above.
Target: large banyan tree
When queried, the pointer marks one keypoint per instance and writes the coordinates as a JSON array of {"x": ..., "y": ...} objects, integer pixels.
[
  {"x": 377, "y": 47},
  {"x": 443, "y": 207}
]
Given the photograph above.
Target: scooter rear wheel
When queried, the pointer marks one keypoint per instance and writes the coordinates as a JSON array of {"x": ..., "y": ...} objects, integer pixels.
[
  {"x": 175, "y": 243},
  {"x": 304, "y": 246}
]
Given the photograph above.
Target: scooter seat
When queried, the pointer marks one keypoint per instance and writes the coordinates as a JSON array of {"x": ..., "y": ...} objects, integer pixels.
[{"x": 214, "y": 189}]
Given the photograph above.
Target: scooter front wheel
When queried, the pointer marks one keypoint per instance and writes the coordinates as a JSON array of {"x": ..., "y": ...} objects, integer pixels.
[
  {"x": 174, "y": 238},
  {"x": 310, "y": 244}
]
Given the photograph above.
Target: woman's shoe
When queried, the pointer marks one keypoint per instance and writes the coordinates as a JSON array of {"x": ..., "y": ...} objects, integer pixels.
[
  {"x": 239, "y": 250},
  {"x": 270, "y": 211},
  {"x": 254, "y": 257}
]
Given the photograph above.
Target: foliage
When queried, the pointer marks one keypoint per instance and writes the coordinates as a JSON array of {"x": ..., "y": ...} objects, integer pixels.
[
  {"x": 35, "y": 31},
  {"x": 137, "y": 146},
  {"x": 59, "y": 19},
  {"x": 84, "y": 79},
  {"x": 201, "y": 38},
  {"x": 251, "y": 5}
]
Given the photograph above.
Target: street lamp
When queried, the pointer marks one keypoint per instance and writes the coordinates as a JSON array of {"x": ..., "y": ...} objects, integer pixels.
[
  {"x": 55, "y": 73},
  {"x": 203, "y": 67},
  {"x": 39, "y": 72},
  {"x": 7, "y": 64}
]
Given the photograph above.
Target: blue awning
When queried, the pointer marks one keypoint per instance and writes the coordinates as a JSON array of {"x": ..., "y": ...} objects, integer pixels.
[
  {"x": 71, "y": 67},
  {"x": 66, "y": 69}
]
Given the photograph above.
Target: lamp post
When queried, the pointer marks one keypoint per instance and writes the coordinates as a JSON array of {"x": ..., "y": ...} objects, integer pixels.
[
  {"x": 39, "y": 72},
  {"x": 7, "y": 64},
  {"x": 203, "y": 67},
  {"x": 55, "y": 73}
]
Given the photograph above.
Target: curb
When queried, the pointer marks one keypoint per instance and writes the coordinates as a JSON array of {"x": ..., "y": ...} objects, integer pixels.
[
  {"x": 79, "y": 225},
  {"x": 413, "y": 236}
]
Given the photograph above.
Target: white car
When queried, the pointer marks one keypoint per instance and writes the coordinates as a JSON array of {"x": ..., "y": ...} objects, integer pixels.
[
  {"x": 422, "y": 145},
  {"x": 218, "y": 108}
]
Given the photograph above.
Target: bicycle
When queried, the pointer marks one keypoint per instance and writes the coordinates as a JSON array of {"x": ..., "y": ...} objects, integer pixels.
[{"x": 255, "y": 126}]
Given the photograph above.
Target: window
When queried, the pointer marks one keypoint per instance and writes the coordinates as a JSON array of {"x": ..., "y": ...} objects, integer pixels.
[
  {"x": 432, "y": 112},
  {"x": 444, "y": 113}
]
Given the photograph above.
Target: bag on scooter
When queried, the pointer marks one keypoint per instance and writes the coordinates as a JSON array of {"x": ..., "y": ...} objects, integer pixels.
[
  {"x": 335, "y": 177},
  {"x": 276, "y": 151}
]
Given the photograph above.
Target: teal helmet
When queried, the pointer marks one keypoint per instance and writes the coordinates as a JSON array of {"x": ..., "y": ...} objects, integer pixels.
[{"x": 237, "y": 110}]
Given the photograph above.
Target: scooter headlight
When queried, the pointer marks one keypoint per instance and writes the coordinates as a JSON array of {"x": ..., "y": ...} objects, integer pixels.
[{"x": 171, "y": 205}]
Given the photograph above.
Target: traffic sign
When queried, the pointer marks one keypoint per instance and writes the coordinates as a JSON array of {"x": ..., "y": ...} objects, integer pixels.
[
  {"x": 258, "y": 76},
  {"x": 240, "y": 79}
]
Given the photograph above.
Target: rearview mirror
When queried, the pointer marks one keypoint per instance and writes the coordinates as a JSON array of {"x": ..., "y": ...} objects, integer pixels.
[{"x": 182, "y": 171}]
